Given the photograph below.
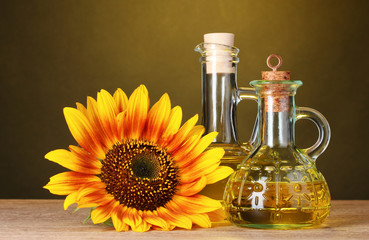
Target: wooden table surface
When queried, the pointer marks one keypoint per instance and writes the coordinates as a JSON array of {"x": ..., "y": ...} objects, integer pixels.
[{"x": 46, "y": 219}]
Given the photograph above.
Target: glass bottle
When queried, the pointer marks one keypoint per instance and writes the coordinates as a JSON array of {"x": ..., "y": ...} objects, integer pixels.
[
  {"x": 278, "y": 185},
  {"x": 220, "y": 96}
]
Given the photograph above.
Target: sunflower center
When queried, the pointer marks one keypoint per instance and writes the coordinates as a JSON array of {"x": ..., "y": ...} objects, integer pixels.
[
  {"x": 139, "y": 174},
  {"x": 145, "y": 166}
]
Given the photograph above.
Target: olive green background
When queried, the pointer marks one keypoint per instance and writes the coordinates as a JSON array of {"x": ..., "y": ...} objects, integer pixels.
[{"x": 56, "y": 53}]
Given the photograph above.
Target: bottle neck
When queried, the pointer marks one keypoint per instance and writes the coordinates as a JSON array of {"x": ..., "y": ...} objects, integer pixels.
[
  {"x": 219, "y": 104},
  {"x": 277, "y": 120},
  {"x": 219, "y": 90}
]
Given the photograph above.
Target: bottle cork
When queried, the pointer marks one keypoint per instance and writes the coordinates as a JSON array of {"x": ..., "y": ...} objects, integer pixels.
[
  {"x": 219, "y": 52},
  {"x": 276, "y": 95}
]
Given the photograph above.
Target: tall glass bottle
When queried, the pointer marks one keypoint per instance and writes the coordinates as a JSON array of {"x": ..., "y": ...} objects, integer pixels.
[
  {"x": 278, "y": 185},
  {"x": 220, "y": 96}
]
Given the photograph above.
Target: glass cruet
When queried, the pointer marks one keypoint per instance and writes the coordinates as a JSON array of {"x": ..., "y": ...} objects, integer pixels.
[
  {"x": 278, "y": 185},
  {"x": 220, "y": 97}
]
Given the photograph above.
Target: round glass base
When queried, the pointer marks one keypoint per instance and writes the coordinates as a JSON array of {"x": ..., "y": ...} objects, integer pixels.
[{"x": 278, "y": 226}]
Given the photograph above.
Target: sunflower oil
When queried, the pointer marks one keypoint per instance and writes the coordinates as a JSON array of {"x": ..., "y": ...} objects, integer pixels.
[{"x": 279, "y": 205}]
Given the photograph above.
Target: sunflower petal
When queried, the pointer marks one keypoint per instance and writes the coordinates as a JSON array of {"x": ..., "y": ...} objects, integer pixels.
[
  {"x": 153, "y": 219},
  {"x": 206, "y": 163},
  {"x": 217, "y": 215},
  {"x": 202, "y": 145},
  {"x": 70, "y": 199},
  {"x": 193, "y": 137},
  {"x": 173, "y": 124},
  {"x": 157, "y": 118},
  {"x": 108, "y": 112},
  {"x": 192, "y": 188},
  {"x": 96, "y": 123},
  {"x": 195, "y": 204},
  {"x": 174, "y": 219},
  {"x": 201, "y": 220},
  {"x": 93, "y": 187},
  {"x": 142, "y": 227},
  {"x": 67, "y": 182},
  {"x": 85, "y": 156},
  {"x": 103, "y": 213},
  {"x": 182, "y": 133},
  {"x": 93, "y": 194},
  {"x": 82, "y": 131},
  {"x": 121, "y": 100},
  {"x": 137, "y": 109},
  {"x": 73, "y": 162},
  {"x": 81, "y": 108},
  {"x": 132, "y": 218},
  {"x": 117, "y": 218},
  {"x": 220, "y": 173},
  {"x": 120, "y": 124}
]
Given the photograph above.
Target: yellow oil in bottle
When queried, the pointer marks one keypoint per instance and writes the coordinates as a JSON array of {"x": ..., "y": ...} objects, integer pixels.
[{"x": 282, "y": 205}]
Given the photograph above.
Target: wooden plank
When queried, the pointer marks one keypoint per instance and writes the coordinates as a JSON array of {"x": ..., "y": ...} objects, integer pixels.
[{"x": 46, "y": 219}]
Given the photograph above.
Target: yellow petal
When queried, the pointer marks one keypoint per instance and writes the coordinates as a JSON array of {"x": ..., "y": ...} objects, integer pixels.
[
  {"x": 206, "y": 163},
  {"x": 157, "y": 118},
  {"x": 175, "y": 219},
  {"x": 67, "y": 182},
  {"x": 70, "y": 199},
  {"x": 217, "y": 215},
  {"x": 137, "y": 109},
  {"x": 121, "y": 100},
  {"x": 202, "y": 145},
  {"x": 201, "y": 220},
  {"x": 85, "y": 156},
  {"x": 81, "y": 108},
  {"x": 103, "y": 213},
  {"x": 93, "y": 187},
  {"x": 96, "y": 123},
  {"x": 195, "y": 204},
  {"x": 173, "y": 124},
  {"x": 192, "y": 188},
  {"x": 153, "y": 219},
  {"x": 182, "y": 133},
  {"x": 73, "y": 162},
  {"x": 142, "y": 227},
  {"x": 117, "y": 218},
  {"x": 93, "y": 194},
  {"x": 73, "y": 177},
  {"x": 132, "y": 218},
  {"x": 181, "y": 153},
  {"x": 62, "y": 188},
  {"x": 120, "y": 124},
  {"x": 219, "y": 174},
  {"x": 82, "y": 131},
  {"x": 108, "y": 112},
  {"x": 94, "y": 200}
]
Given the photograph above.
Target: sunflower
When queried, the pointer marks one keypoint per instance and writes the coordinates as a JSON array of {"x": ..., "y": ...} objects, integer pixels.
[{"x": 138, "y": 167}]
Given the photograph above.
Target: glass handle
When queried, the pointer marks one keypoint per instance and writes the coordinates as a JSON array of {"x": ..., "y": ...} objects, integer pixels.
[
  {"x": 323, "y": 128},
  {"x": 244, "y": 93}
]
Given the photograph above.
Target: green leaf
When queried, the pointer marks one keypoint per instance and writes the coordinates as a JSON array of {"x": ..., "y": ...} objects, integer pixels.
[
  {"x": 75, "y": 210},
  {"x": 89, "y": 216},
  {"x": 108, "y": 222}
]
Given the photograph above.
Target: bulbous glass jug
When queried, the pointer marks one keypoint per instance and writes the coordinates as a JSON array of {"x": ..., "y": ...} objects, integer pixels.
[{"x": 278, "y": 185}]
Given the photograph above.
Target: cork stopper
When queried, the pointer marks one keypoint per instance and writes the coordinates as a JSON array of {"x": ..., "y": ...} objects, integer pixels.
[
  {"x": 276, "y": 96},
  {"x": 275, "y": 74},
  {"x": 219, "y": 47},
  {"x": 219, "y": 38}
]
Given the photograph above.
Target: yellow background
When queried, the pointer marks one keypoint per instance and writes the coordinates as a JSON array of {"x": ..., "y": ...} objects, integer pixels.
[{"x": 55, "y": 53}]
